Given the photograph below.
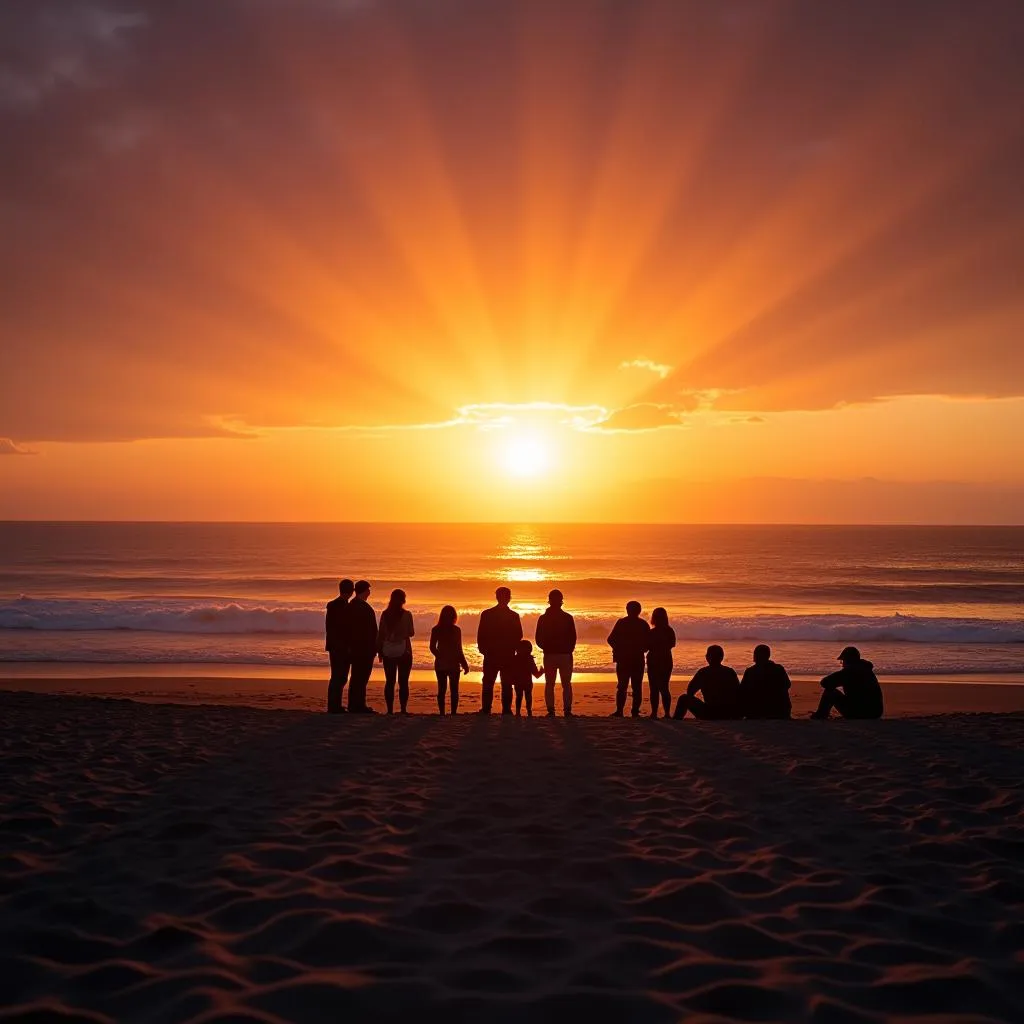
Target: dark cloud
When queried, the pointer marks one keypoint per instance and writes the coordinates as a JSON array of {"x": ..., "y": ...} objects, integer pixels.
[{"x": 336, "y": 211}]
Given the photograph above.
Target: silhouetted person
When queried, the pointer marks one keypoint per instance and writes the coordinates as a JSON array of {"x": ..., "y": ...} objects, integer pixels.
[
  {"x": 718, "y": 685},
  {"x": 628, "y": 639},
  {"x": 556, "y": 637},
  {"x": 394, "y": 646},
  {"x": 446, "y": 647},
  {"x": 853, "y": 691},
  {"x": 764, "y": 690},
  {"x": 523, "y": 672},
  {"x": 337, "y": 646},
  {"x": 659, "y": 661},
  {"x": 362, "y": 623},
  {"x": 499, "y": 631}
]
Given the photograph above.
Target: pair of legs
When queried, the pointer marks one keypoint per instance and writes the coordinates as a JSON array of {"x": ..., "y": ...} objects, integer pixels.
[
  {"x": 493, "y": 667},
  {"x": 397, "y": 668},
  {"x": 845, "y": 705},
  {"x": 699, "y": 709},
  {"x": 447, "y": 678},
  {"x": 362, "y": 668},
  {"x": 525, "y": 692},
  {"x": 629, "y": 673},
  {"x": 657, "y": 684},
  {"x": 558, "y": 665},
  {"x": 341, "y": 663}
]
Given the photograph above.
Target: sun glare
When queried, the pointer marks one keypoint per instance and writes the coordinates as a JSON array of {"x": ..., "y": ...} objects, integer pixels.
[{"x": 525, "y": 455}]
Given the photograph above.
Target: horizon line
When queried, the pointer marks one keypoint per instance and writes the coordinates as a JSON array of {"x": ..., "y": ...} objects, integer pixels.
[{"x": 507, "y": 522}]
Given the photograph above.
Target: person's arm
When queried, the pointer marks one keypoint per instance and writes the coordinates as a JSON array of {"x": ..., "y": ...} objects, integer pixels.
[
  {"x": 647, "y": 639},
  {"x": 831, "y": 681},
  {"x": 483, "y": 639},
  {"x": 462, "y": 656},
  {"x": 537, "y": 673},
  {"x": 380, "y": 638},
  {"x": 694, "y": 688},
  {"x": 519, "y": 626},
  {"x": 433, "y": 642},
  {"x": 411, "y": 625},
  {"x": 613, "y": 636},
  {"x": 327, "y": 630},
  {"x": 672, "y": 634},
  {"x": 784, "y": 678},
  {"x": 572, "y": 634}
]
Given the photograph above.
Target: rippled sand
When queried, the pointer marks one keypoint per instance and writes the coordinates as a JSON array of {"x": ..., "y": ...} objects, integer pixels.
[{"x": 172, "y": 862}]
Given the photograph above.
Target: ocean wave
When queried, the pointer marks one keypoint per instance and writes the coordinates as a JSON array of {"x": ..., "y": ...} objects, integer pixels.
[{"x": 303, "y": 620}]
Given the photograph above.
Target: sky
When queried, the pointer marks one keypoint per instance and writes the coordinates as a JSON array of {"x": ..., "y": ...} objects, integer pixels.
[{"x": 437, "y": 260}]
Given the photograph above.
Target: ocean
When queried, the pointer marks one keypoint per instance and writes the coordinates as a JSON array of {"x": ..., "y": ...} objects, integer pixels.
[{"x": 916, "y": 600}]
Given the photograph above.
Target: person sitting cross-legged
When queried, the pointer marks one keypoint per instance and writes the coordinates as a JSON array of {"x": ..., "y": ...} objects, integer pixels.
[{"x": 718, "y": 685}]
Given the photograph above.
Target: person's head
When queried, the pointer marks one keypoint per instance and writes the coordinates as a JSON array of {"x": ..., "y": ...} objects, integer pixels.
[
  {"x": 555, "y": 599},
  {"x": 397, "y": 599},
  {"x": 849, "y": 656},
  {"x": 363, "y": 590},
  {"x": 503, "y": 595},
  {"x": 524, "y": 647},
  {"x": 762, "y": 654},
  {"x": 448, "y": 617},
  {"x": 715, "y": 655},
  {"x": 659, "y": 617},
  {"x": 633, "y": 609},
  {"x": 345, "y": 588}
]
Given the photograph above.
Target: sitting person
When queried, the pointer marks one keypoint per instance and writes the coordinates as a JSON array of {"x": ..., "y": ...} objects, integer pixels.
[
  {"x": 523, "y": 671},
  {"x": 718, "y": 685},
  {"x": 853, "y": 691},
  {"x": 764, "y": 690}
]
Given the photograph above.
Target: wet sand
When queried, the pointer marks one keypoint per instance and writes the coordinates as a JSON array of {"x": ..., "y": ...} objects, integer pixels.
[{"x": 173, "y": 862}]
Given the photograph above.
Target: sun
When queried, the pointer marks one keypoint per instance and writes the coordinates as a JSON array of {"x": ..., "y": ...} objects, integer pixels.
[{"x": 525, "y": 455}]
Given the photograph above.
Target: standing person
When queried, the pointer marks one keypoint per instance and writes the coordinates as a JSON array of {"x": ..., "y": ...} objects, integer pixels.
[
  {"x": 628, "y": 639},
  {"x": 523, "y": 672},
  {"x": 362, "y": 624},
  {"x": 499, "y": 631},
  {"x": 764, "y": 689},
  {"x": 659, "y": 661},
  {"x": 394, "y": 647},
  {"x": 717, "y": 684},
  {"x": 446, "y": 647},
  {"x": 337, "y": 645},
  {"x": 860, "y": 696},
  {"x": 556, "y": 637}
]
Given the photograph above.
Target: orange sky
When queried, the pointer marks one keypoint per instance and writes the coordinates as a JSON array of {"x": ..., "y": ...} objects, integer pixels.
[{"x": 438, "y": 259}]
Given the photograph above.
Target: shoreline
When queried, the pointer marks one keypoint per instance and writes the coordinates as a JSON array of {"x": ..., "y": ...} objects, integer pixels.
[{"x": 593, "y": 695}]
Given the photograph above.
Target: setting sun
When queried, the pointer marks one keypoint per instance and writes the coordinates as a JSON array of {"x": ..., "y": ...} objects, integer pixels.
[{"x": 526, "y": 455}]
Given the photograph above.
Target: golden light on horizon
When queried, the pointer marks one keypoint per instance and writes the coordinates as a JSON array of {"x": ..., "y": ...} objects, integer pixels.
[{"x": 525, "y": 455}]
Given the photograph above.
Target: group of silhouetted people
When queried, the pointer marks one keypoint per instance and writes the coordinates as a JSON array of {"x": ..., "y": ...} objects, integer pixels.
[{"x": 355, "y": 639}]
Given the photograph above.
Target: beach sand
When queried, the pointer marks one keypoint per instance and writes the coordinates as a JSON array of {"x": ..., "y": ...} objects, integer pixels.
[{"x": 166, "y": 862}]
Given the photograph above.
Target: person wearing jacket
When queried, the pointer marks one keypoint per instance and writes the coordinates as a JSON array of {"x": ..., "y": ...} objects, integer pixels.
[
  {"x": 853, "y": 691},
  {"x": 629, "y": 640},
  {"x": 717, "y": 684},
  {"x": 556, "y": 637},
  {"x": 362, "y": 626},
  {"x": 337, "y": 645},
  {"x": 497, "y": 634}
]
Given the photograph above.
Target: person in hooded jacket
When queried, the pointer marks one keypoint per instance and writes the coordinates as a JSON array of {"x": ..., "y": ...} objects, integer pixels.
[
  {"x": 853, "y": 691},
  {"x": 764, "y": 689}
]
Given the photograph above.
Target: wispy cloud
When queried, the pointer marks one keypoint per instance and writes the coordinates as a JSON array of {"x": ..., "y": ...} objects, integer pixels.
[
  {"x": 642, "y": 416},
  {"x": 661, "y": 369}
]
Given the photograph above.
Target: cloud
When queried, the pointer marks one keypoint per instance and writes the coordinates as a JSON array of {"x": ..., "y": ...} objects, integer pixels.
[
  {"x": 662, "y": 370},
  {"x": 642, "y": 416},
  {"x": 8, "y": 447}
]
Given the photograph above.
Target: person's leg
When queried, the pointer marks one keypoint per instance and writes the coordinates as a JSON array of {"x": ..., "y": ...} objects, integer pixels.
[
  {"x": 453, "y": 677},
  {"x": 654, "y": 689},
  {"x": 404, "y": 669},
  {"x": 442, "y": 686},
  {"x": 621, "y": 682},
  {"x": 336, "y": 685},
  {"x": 550, "y": 672},
  {"x": 519, "y": 700},
  {"x": 830, "y": 699},
  {"x": 666, "y": 693},
  {"x": 566, "y": 674},
  {"x": 636, "y": 678},
  {"x": 490, "y": 674},
  {"x": 362, "y": 669},
  {"x": 528, "y": 695},
  {"x": 506, "y": 691},
  {"x": 697, "y": 708},
  {"x": 390, "y": 672}
]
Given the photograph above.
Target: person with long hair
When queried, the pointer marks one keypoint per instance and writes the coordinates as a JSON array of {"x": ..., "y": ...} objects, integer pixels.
[
  {"x": 661, "y": 640},
  {"x": 449, "y": 658},
  {"x": 394, "y": 647}
]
